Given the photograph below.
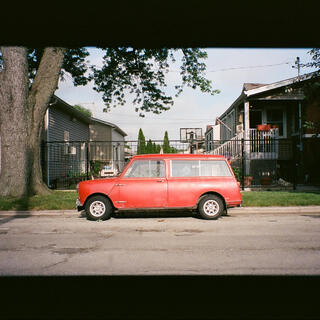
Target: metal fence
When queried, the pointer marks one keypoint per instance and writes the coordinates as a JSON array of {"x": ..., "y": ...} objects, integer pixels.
[
  {"x": 255, "y": 162},
  {"x": 261, "y": 161},
  {"x": 64, "y": 164}
]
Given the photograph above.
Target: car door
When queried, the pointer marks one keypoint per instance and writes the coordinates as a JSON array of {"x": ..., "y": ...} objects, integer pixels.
[
  {"x": 183, "y": 183},
  {"x": 144, "y": 185}
]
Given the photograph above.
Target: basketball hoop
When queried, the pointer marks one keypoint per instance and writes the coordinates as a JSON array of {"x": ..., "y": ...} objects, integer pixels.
[{"x": 188, "y": 135}]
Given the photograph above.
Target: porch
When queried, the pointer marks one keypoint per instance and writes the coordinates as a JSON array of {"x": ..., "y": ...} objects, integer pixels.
[{"x": 259, "y": 145}]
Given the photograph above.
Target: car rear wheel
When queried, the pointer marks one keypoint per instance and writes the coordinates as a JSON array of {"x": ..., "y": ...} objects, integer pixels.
[
  {"x": 98, "y": 208},
  {"x": 210, "y": 207}
]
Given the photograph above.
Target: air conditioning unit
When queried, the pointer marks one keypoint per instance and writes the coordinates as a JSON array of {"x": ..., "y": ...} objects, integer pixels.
[
  {"x": 69, "y": 150},
  {"x": 72, "y": 150}
]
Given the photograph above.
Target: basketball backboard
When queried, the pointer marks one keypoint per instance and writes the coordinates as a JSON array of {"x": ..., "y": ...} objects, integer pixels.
[{"x": 187, "y": 133}]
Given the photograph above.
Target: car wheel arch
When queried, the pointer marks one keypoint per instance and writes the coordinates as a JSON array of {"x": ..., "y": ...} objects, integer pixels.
[
  {"x": 213, "y": 193},
  {"x": 98, "y": 194}
]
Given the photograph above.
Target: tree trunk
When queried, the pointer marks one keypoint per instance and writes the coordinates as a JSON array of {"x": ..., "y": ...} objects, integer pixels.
[
  {"x": 21, "y": 118},
  {"x": 13, "y": 118},
  {"x": 43, "y": 88}
]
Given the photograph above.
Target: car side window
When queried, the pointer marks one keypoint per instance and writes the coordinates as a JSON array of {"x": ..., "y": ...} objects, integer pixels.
[
  {"x": 146, "y": 169},
  {"x": 214, "y": 168},
  {"x": 184, "y": 168},
  {"x": 199, "y": 168}
]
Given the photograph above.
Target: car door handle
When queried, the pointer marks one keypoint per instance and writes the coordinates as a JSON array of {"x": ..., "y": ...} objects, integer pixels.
[
  {"x": 120, "y": 185},
  {"x": 160, "y": 180}
]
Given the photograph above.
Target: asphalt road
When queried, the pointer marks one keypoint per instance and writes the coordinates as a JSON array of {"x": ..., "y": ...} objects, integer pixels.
[{"x": 161, "y": 244}]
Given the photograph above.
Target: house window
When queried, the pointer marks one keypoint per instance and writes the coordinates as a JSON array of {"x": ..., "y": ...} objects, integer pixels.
[
  {"x": 66, "y": 136},
  {"x": 275, "y": 117},
  {"x": 66, "y": 140}
]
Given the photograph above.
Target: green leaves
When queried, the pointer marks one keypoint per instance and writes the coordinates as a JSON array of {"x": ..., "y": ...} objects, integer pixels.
[
  {"x": 74, "y": 63},
  {"x": 127, "y": 71},
  {"x": 141, "y": 72},
  {"x": 83, "y": 110}
]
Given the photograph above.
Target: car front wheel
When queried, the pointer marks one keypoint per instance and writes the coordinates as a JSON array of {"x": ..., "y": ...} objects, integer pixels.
[
  {"x": 98, "y": 208},
  {"x": 210, "y": 207}
]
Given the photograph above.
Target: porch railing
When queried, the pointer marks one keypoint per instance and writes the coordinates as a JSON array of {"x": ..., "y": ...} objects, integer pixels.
[
  {"x": 260, "y": 144},
  {"x": 231, "y": 148},
  {"x": 263, "y": 144}
]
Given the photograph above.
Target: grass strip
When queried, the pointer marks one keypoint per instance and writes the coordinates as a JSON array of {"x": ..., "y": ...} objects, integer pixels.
[
  {"x": 279, "y": 198},
  {"x": 61, "y": 200},
  {"x": 58, "y": 200}
]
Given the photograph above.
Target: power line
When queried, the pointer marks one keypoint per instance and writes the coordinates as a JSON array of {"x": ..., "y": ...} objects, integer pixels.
[
  {"x": 251, "y": 67},
  {"x": 227, "y": 69},
  {"x": 247, "y": 67}
]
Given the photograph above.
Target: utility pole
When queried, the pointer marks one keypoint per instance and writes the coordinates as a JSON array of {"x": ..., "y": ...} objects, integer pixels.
[
  {"x": 298, "y": 64},
  {"x": 299, "y": 164}
]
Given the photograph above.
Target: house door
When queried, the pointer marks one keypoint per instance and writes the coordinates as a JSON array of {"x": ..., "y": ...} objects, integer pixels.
[{"x": 255, "y": 118}]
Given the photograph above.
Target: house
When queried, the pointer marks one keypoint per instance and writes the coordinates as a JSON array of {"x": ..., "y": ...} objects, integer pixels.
[
  {"x": 72, "y": 142},
  {"x": 63, "y": 150},
  {"x": 270, "y": 119},
  {"x": 212, "y": 137},
  {"x": 107, "y": 146}
]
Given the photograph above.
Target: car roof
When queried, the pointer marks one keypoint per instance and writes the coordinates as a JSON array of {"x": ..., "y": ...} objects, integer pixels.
[{"x": 178, "y": 155}]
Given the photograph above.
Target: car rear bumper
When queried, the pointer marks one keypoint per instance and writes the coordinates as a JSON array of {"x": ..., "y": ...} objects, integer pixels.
[{"x": 234, "y": 204}]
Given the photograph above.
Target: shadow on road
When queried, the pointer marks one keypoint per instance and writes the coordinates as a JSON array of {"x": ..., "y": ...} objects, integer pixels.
[
  {"x": 152, "y": 214},
  {"x": 22, "y": 204},
  {"x": 155, "y": 214}
]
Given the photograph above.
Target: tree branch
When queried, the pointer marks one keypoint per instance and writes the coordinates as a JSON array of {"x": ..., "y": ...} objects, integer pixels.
[{"x": 45, "y": 81}]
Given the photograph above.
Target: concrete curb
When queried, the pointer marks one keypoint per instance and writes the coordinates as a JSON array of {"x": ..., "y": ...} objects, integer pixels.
[
  {"x": 247, "y": 210},
  {"x": 42, "y": 213},
  {"x": 275, "y": 210}
]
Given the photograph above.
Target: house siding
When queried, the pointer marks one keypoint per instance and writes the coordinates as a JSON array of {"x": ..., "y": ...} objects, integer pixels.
[
  {"x": 62, "y": 162},
  {"x": 229, "y": 120},
  {"x": 59, "y": 122}
]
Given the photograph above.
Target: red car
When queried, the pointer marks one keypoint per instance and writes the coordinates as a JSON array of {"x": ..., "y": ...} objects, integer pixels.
[{"x": 164, "y": 181}]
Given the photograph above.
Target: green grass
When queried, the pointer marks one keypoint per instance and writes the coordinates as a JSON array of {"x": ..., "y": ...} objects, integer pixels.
[
  {"x": 279, "y": 198},
  {"x": 60, "y": 200}
]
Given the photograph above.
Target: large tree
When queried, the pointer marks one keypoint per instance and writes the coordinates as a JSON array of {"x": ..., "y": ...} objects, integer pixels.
[
  {"x": 30, "y": 76},
  {"x": 141, "y": 147}
]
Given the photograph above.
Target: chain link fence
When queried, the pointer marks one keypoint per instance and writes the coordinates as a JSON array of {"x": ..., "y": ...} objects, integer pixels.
[
  {"x": 255, "y": 162},
  {"x": 64, "y": 164}
]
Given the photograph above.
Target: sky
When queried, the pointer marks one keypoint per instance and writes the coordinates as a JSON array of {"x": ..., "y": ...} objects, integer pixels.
[{"x": 227, "y": 68}]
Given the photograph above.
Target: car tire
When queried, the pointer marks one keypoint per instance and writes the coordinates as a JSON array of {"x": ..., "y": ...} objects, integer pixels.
[
  {"x": 210, "y": 207},
  {"x": 98, "y": 208}
]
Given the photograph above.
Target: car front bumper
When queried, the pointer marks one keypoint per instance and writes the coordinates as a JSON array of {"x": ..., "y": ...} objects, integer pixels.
[{"x": 79, "y": 207}]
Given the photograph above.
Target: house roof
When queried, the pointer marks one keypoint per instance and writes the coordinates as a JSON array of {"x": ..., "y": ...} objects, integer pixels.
[
  {"x": 251, "y": 89},
  {"x": 79, "y": 115},
  {"x": 250, "y": 86},
  {"x": 56, "y": 101},
  {"x": 113, "y": 126}
]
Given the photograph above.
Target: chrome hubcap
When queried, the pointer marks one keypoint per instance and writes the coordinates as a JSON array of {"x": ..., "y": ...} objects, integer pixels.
[
  {"x": 97, "y": 208},
  {"x": 211, "y": 207}
]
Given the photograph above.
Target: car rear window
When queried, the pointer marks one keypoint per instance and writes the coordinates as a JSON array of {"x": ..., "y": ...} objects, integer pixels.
[{"x": 200, "y": 168}]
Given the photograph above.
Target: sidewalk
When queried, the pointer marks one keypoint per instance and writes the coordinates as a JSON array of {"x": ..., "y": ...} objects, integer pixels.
[{"x": 241, "y": 210}]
